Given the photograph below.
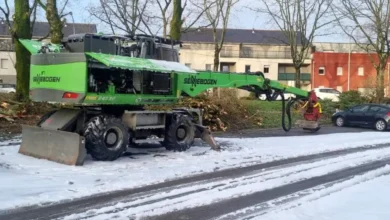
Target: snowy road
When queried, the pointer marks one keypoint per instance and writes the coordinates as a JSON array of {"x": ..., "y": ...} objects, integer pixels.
[{"x": 248, "y": 179}]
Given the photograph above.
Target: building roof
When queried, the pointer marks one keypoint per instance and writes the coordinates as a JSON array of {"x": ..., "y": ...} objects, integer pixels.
[
  {"x": 41, "y": 29},
  {"x": 250, "y": 36}
]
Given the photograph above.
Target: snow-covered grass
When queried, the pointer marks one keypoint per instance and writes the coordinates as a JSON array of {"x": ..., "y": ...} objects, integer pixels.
[{"x": 29, "y": 181}]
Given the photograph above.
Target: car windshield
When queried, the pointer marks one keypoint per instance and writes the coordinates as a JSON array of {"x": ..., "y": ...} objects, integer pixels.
[
  {"x": 7, "y": 86},
  {"x": 334, "y": 91}
]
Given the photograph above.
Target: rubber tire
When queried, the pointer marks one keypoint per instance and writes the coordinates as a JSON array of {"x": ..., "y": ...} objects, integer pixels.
[
  {"x": 379, "y": 121},
  {"x": 94, "y": 133},
  {"x": 343, "y": 125},
  {"x": 170, "y": 142}
]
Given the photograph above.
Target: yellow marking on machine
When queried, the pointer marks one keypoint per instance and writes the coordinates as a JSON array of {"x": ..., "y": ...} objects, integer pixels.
[{"x": 92, "y": 98}]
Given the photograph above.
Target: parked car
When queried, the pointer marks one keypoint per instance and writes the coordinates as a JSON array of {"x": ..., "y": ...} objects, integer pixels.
[
  {"x": 7, "y": 88},
  {"x": 327, "y": 93},
  {"x": 286, "y": 96},
  {"x": 374, "y": 116}
]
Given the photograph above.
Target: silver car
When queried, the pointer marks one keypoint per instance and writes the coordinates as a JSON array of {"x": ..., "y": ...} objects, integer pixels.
[{"x": 7, "y": 88}]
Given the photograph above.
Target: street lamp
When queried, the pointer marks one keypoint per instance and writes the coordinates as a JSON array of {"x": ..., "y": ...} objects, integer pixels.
[{"x": 71, "y": 14}]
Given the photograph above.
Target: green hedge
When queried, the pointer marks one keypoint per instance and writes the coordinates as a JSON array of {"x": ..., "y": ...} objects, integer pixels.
[{"x": 351, "y": 98}]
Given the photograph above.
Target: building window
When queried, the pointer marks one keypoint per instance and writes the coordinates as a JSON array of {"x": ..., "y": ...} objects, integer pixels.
[
  {"x": 321, "y": 71},
  {"x": 361, "y": 71},
  {"x": 208, "y": 67},
  {"x": 4, "y": 63},
  {"x": 225, "y": 68},
  {"x": 339, "y": 71},
  {"x": 247, "y": 68},
  {"x": 188, "y": 65},
  {"x": 266, "y": 69}
]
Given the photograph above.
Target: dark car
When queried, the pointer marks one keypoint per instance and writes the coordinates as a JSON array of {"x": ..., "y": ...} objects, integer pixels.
[{"x": 375, "y": 116}]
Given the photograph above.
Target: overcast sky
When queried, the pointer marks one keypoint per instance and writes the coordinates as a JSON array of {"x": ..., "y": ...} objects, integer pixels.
[{"x": 242, "y": 17}]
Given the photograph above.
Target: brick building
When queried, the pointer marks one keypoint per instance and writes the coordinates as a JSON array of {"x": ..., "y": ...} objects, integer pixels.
[{"x": 345, "y": 71}]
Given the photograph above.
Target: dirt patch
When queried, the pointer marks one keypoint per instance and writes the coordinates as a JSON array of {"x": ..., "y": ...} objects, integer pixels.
[
  {"x": 13, "y": 114},
  {"x": 15, "y": 127}
]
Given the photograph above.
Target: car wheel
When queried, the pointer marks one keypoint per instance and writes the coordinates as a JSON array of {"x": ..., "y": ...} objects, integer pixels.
[
  {"x": 380, "y": 125},
  {"x": 340, "y": 122}
]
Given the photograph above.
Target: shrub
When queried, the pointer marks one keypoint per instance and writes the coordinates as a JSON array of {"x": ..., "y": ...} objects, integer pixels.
[
  {"x": 220, "y": 113},
  {"x": 329, "y": 107},
  {"x": 351, "y": 98}
]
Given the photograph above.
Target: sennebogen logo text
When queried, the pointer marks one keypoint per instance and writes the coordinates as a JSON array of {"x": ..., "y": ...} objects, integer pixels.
[
  {"x": 195, "y": 81},
  {"x": 42, "y": 78}
]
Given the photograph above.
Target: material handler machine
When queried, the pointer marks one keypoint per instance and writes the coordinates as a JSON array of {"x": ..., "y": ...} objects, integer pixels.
[{"x": 107, "y": 80}]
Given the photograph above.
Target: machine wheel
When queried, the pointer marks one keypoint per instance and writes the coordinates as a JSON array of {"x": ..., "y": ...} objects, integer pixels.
[
  {"x": 380, "y": 125},
  {"x": 180, "y": 133},
  {"x": 106, "y": 138},
  {"x": 340, "y": 122}
]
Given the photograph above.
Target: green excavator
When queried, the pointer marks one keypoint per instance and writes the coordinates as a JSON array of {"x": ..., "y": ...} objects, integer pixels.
[{"x": 106, "y": 80}]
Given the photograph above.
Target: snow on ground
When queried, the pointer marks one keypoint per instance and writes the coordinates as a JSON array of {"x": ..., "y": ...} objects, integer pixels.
[
  {"x": 210, "y": 191},
  {"x": 362, "y": 197},
  {"x": 28, "y": 181}
]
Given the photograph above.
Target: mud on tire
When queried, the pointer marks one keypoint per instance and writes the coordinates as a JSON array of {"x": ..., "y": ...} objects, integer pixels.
[
  {"x": 106, "y": 137},
  {"x": 180, "y": 133}
]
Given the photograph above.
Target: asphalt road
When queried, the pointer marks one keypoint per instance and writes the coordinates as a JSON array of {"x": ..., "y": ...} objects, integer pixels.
[
  {"x": 143, "y": 196},
  {"x": 60, "y": 210},
  {"x": 278, "y": 132}
]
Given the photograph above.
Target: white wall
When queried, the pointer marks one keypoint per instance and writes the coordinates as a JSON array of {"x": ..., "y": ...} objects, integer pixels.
[{"x": 7, "y": 69}]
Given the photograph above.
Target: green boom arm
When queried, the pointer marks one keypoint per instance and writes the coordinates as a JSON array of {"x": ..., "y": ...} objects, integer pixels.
[{"x": 194, "y": 84}]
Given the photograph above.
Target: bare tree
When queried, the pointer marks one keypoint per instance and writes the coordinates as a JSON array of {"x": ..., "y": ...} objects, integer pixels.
[
  {"x": 54, "y": 19},
  {"x": 20, "y": 27},
  {"x": 218, "y": 13},
  {"x": 186, "y": 16},
  {"x": 367, "y": 23},
  {"x": 128, "y": 16},
  {"x": 300, "y": 21},
  {"x": 165, "y": 14}
]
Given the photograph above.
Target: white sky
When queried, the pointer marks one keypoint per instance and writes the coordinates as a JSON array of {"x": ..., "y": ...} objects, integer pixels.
[{"x": 241, "y": 17}]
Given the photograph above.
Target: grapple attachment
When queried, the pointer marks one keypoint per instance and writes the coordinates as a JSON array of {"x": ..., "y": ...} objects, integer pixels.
[
  {"x": 305, "y": 124},
  {"x": 312, "y": 114},
  {"x": 52, "y": 141}
]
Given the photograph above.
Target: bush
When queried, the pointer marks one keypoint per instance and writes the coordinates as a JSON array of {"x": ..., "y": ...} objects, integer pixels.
[
  {"x": 351, "y": 98},
  {"x": 329, "y": 107},
  {"x": 220, "y": 113}
]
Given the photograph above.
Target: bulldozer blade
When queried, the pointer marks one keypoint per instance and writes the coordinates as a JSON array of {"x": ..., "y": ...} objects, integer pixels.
[
  {"x": 307, "y": 124},
  {"x": 207, "y": 137},
  {"x": 54, "y": 145}
]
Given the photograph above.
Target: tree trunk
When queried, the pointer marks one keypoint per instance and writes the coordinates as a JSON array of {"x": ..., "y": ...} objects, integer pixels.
[
  {"x": 55, "y": 22},
  {"x": 22, "y": 31},
  {"x": 165, "y": 27},
  {"x": 216, "y": 91},
  {"x": 216, "y": 58},
  {"x": 298, "y": 77},
  {"x": 380, "y": 93},
  {"x": 176, "y": 22}
]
